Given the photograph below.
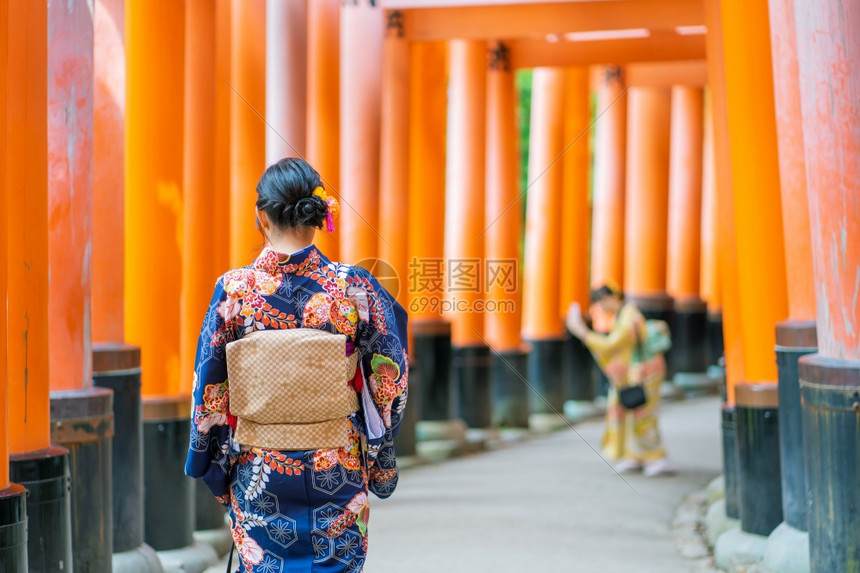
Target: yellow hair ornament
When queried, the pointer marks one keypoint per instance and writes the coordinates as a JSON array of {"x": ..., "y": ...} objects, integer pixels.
[{"x": 333, "y": 207}]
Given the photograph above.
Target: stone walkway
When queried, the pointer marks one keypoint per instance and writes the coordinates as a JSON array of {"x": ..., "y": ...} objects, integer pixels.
[{"x": 549, "y": 504}]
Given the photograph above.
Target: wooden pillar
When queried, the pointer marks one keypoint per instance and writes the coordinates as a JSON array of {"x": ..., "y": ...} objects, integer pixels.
[
  {"x": 361, "y": 37},
  {"x": 760, "y": 264},
  {"x": 576, "y": 226},
  {"x": 709, "y": 283},
  {"x": 727, "y": 244},
  {"x": 542, "y": 323},
  {"x": 323, "y": 105},
  {"x": 828, "y": 49},
  {"x": 503, "y": 215},
  {"x": 154, "y": 161},
  {"x": 755, "y": 183},
  {"x": 4, "y": 384},
  {"x": 646, "y": 217},
  {"x": 466, "y": 225},
  {"x": 223, "y": 97},
  {"x": 199, "y": 199},
  {"x": 394, "y": 154},
  {"x": 690, "y": 319},
  {"x": 247, "y": 128},
  {"x": 25, "y": 125},
  {"x": 796, "y": 336},
  {"x": 286, "y": 78},
  {"x": 431, "y": 335},
  {"x": 108, "y": 283},
  {"x": 70, "y": 193},
  {"x": 607, "y": 239}
]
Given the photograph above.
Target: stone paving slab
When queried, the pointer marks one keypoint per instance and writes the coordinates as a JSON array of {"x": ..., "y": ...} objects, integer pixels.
[{"x": 548, "y": 504}]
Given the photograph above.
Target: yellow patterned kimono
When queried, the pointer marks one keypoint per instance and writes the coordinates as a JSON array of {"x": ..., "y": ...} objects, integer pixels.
[{"x": 632, "y": 435}]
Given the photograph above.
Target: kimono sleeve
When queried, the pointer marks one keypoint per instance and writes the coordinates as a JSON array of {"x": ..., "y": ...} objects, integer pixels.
[
  {"x": 382, "y": 341},
  {"x": 211, "y": 434},
  {"x": 623, "y": 335}
]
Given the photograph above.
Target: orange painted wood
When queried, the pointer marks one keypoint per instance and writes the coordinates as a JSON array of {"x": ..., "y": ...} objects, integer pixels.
[
  {"x": 659, "y": 46},
  {"x": 247, "y": 128},
  {"x": 541, "y": 259},
  {"x": 792, "y": 165},
  {"x": 70, "y": 193},
  {"x": 709, "y": 284},
  {"x": 223, "y": 97},
  {"x": 829, "y": 86},
  {"x": 607, "y": 239},
  {"x": 685, "y": 193},
  {"x": 667, "y": 74},
  {"x": 541, "y": 18},
  {"x": 323, "y": 105},
  {"x": 503, "y": 204},
  {"x": 286, "y": 78},
  {"x": 465, "y": 223},
  {"x": 755, "y": 182},
  {"x": 198, "y": 204},
  {"x": 394, "y": 156},
  {"x": 575, "y": 200},
  {"x": 4, "y": 385},
  {"x": 727, "y": 243},
  {"x": 108, "y": 288},
  {"x": 648, "y": 121},
  {"x": 427, "y": 144},
  {"x": 361, "y": 35},
  {"x": 155, "y": 34},
  {"x": 26, "y": 225}
]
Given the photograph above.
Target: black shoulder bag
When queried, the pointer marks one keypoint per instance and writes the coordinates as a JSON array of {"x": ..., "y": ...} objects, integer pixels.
[{"x": 633, "y": 397}]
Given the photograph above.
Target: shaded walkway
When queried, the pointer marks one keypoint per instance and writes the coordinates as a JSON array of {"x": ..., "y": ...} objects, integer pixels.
[{"x": 548, "y": 505}]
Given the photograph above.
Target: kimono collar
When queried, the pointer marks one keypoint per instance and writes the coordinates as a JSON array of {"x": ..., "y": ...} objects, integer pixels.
[{"x": 273, "y": 262}]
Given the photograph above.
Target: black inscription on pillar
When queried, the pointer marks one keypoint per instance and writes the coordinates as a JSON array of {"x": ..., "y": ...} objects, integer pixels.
[
  {"x": 613, "y": 74},
  {"x": 500, "y": 58},
  {"x": 395, "y": 23}
]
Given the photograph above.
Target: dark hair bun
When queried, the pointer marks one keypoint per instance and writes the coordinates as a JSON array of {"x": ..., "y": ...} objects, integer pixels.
[
  {"x": 310, "y": 211},
  {"x": 285, "y": 193}
]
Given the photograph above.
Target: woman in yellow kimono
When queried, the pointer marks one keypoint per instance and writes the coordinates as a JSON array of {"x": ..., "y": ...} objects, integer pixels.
[{"x": 632, "y": 437}]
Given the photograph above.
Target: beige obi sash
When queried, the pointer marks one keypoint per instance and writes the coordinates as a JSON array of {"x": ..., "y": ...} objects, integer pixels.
[{"x": 289, "y": 389}]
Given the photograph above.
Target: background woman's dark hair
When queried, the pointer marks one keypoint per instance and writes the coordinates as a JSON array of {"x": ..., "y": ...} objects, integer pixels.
[
  {"x": 605, "y": 291},
  {"x": 285, "y": 193}
]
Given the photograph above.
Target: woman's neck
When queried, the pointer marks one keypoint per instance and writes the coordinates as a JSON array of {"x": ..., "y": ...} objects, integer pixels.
[{"x": 290, "y": 242}]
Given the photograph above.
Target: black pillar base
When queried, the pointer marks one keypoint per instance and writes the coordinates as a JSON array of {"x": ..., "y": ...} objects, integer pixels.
[
  {"x": 510, "y": 393},
  {"x": 578, "y": 375},
  {"x": 470, "y": 366},
  {"x": 830, "y": 398},
  {"x": 794, "y": 339},
  {"x": 760, "y": 486},
  {"x": 715, "y": 348},
  {"x": 168, "y": 493},
  {"x": 45, "y": 474},
  {"x": 82, "y": 421},
  {"x": 406, "y": 442},
  {"x": 431, "y": 355},
  {"x": 208, "y": 513},
  {"x": 546, "y": 376},
  {"x": 13, "y": 529},
  {"x": 659, "y": 307},
  {"x": 689, "y": 337},
  {"x": 117, "y": 367},
  {"x": 730, "y": 462}
]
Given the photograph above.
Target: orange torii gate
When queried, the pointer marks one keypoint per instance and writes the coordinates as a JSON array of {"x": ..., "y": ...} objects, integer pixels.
[{"x": 663, "y": 43}]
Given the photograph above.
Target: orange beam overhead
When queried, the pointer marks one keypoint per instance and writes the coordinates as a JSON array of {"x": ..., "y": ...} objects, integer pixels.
[
  {"x": 485, "y": 22},
  {"x": 657, "y": 47},
  {"x": 692, "y": 73}
]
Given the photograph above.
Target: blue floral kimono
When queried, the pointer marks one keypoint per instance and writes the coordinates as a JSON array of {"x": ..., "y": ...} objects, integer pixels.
[{"x": 306, "y": 510}]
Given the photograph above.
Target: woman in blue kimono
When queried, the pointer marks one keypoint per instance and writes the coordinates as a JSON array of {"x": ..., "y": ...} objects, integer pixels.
[{"x": 300, "y": 510}]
